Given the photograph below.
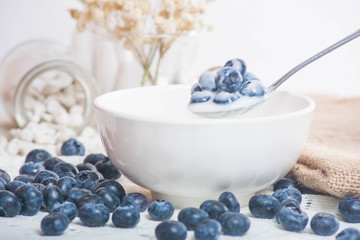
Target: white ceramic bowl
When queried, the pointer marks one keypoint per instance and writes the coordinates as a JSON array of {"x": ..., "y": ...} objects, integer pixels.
[{"x": 155, "y": 141}]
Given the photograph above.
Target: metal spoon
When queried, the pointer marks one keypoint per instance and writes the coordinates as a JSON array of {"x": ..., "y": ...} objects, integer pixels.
[{"x": 240, "y": 109}]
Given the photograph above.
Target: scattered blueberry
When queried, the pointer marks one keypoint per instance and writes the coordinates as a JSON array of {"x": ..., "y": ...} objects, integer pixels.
[
  {"x": 229, "y": 80},
  {"x": 107, "y": 169},
  {"x": 86, "y": 167},
  {"x": 169, "y": 229},
  {"x": 200, "y": 97},
  {"x": 230, "y": 201},
  {"x": 238, "y": 64},
  {"x": 42, "y": 175},
  {"x": 94, "y": 215},
  {"x": 13, "y": 185},
  {"x": 85, "y": 178},
  {"x": 113, "y": 186},
  {"x": 75, "y": 194},
  {"x": 234, "y": 223},
  {"x": 292, "y": 218},
  {"x": 4, "y": 175},
  {"x": 72, "y": 147},
  {"x": 160, "y": 210},
  {"x": 50, "y": 163},
  {"x": 31, "y": 168},
  {"x": 264, "y": 206},
  {"x": 39, "y": 186},
  {"x": 24, "y": 178},
  {"x": 349, "y": 209},
  {"x": 324, "y": 224},
  {"x": 89, "y": 199},
  {"x": 192, "y": 216},
  {"x": 250, "y": 77},
  {"x": 196, "y": 88},
  {"x": 348, "y": 234},
  {"x": 207, "y": 229},
  {"x": 283, "y": 193},
  {"x": 65, "y": 184},
  {"x": 286, "y": 183},
  {"x": 111, "y": 201},
  {"x": 54, "y": 224},
  {"x": 65, "y": 167},
  {"x": 138, "y": 200},
  {"x": 49, "y": 181},
  {"x": 2, "y": 186},
  {"x": 10, "y": 205},
  {"x": 30, "y": 198},
  {"x": 94, "y": 158},
  {"x": 126, "y": 216},
  {"x": 213, "y": 208},
  {"x": 207, "y": 81},
  {"x": 51, "y": 195},
  {"x": 67, "y": 208},
  {"x": 37, "y": 155}
]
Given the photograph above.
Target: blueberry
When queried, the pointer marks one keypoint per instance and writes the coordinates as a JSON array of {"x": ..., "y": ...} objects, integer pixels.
[
  {"x": 54, "y": 224},
  {"x": 283, "y": 193},
  {"x": 192, "y": 216},
  {"x": 30, "y": 198},
  {"x": 138, "y": 200},
  {"x": 208, "y": 229},
  {"x": 349, "y": 209},
  {"x": 10, "y": 205},
  {"x": 160, "y": 210},
  {"x": 39, "y": 186},
  {"x": 67, "y": 208},
  {"x": 250, "y": 77},
  {"x": 213, "y": 208},
  {"x": 42, "y": 175},
  {"x": 238, "y": 64},
  {"x": 24, "y": 178},
  {"x": 65, "y": 167},
  {"x": 292, "y": 218},
  {"x": 288, "y": 202},
  {"x": 86, "y": 167},
  {"x": 114, "y": 187},
  {"x": 94, "y": 158},
  {"x": 229, "y": 80},
  {"x": 126, "y": 216},
  {"x": 89, "y": 199},
  {"x": 230, "y": 201},
  {"x": 170, "y": 230},
  {"x": 50, "y": 163},
  {"x": 72, "y": 147},
  {"x": 287, "y": 183},
  {"x": 37, "y": 155},
  {"x": 207, "y": 81},
  {"x": 2, "y": 186},
  {"x": 225, "y": 98},
  {"x": 51, "y": 195},
  {"x": 111, "y": 201},
  {"x": 196, "y": 88},
  {"x": 107, "y": 169},
  {"x": 75, "y": 194},
  {"x": 234, "y": 223},
  {"x": 324, "y": 224},
  {"x": 93, "y": 186},
  {"x": 4, "y": 175},
  {"x": 200, "y": 97},
  {"x": 13, "y": 185},
  {"x": 253, "y": 88},
  {"x": 31, "y": 168},
  {"x": 49, "y": 181},
  {"x": 349, "y": 234},
  {"x": 264, "y": 206},
  {"x": 65, "y": 174},
  {"x": 66, "y": 183},
  {"x": 94, "y": 215},
  {"x": 3, "y": 181},
  {"x": 85, "y": 178}
]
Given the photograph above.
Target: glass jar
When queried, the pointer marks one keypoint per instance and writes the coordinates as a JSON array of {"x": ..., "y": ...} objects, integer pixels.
[{"x": 30, "y": 60}]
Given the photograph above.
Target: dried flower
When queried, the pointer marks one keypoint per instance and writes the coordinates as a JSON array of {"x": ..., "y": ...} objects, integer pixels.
[{"x": 146, "y": 27}]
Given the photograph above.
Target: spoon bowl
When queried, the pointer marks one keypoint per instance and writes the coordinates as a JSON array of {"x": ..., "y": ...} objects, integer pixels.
[{"x": 245, "y": 103}]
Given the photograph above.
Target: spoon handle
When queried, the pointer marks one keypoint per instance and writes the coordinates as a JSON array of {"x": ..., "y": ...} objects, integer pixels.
[{"x": 336, "y": 45}]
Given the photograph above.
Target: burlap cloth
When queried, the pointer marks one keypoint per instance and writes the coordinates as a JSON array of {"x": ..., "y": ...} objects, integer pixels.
[{"x": 330, "y": 161}]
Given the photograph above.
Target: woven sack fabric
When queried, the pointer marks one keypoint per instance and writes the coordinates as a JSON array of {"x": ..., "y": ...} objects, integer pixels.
[{"x": 330, "y": 161}]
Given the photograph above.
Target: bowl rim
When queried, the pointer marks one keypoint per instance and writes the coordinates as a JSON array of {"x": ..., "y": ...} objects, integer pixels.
[{"x": 202, "y": 120}]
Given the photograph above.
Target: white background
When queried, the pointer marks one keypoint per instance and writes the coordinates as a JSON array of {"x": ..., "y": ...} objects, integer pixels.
[{"x": 271, "y": 35}]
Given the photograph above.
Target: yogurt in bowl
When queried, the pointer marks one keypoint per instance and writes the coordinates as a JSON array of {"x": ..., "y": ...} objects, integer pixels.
[{"x": 158, "y": 143}]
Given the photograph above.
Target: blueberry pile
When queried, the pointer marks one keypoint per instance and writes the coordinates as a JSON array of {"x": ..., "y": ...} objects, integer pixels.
[
  {"x": 227, "y": 85},
  {"x": 91, "y": 192}
]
